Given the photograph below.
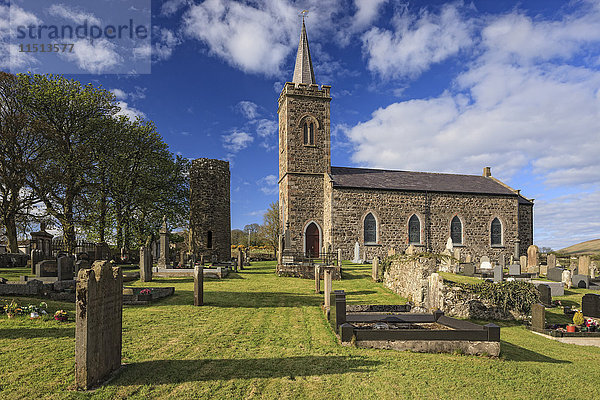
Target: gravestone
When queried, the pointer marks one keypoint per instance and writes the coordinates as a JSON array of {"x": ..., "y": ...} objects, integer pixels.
[
  {"x": 469, "y": 269},
  {"x": 517, "y": 251},
  {"x": 327, "y": 289},
  {"x": 102, "y": 251},
  {"x": 485, "y": 265},
  {"x": 543, "y": 269},
  {"x": 551, "y": 261},
  {"x": 468, "y": 258},
  {"x": 98, "y": 323},
  {"x": 502, "y": 260},
  {"x": 145, "y": 264},
  {"x": 581, "y": 281},
  {"x": 198, "y": 285},
  {"x": 523, "y": 262},
  {"x": 485, "y": 259},
  {"x": 449, "y": 245},
  {"x": 534, "y": 269},
  {"x": 584, "y": 265},
  {"x": 46, "y": 268},
  {"x": 566, "y": 278},
  {"x": 375, "y": 269},
  {"x": 573, "y": 264},
  {"x": 317, "y": 279},
  {"x": 545, "y": 294},
  {"x": 339, "y": 257},
  {"x": 590, "y": 305},
  {"x": 36, "y": 257},
  {"x": 555, "y": 274},
  {"x": 163, "y": 260},
  {"x": 356, "y": 258},
  {"x": 240, "y": 260},
  {"x": 81, "y": 264},
  {"x": 532, "y": 257},
  {"x": 538, "y": 317},
  {"x": 514, "y": 269},
  {"x": 498, "y": 273},
  {"x": 556, "y": 288}
]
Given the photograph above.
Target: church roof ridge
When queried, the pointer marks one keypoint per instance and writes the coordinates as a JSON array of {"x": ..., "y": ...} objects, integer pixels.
[
  {"x": 388, "y": 179},
  {"x": 303, "y": 71}
]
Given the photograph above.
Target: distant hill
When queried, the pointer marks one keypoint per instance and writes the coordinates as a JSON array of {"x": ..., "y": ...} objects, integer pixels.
[{"x": 589, "y": 247}]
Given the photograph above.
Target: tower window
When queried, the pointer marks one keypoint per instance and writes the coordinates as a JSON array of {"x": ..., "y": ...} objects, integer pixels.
[
  {"x": 370, "y": 229},
  {"x": 209, "y": 240},
  {"x": 496, "y": 232},
  {"x": 414, "y": 230},
  {"x": 309, "y": 133},
  {"x": 456, "y": 230}
]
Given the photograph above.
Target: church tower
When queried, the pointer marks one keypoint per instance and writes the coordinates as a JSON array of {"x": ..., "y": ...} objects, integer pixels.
[{"x": 304, "y": 155}]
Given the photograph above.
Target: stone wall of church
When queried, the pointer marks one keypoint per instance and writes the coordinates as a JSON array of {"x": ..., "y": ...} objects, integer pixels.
[
  {"x": 525, "y": 227},
  {"x": 210, "y": 209},
  {"x": 392, "y": 210}
]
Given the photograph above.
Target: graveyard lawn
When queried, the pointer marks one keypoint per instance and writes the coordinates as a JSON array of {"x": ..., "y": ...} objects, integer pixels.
[{"x": 260, "y": 336}]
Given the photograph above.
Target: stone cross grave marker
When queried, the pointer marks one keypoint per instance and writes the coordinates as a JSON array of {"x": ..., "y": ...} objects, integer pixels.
[{"x": 98, "y": 323}]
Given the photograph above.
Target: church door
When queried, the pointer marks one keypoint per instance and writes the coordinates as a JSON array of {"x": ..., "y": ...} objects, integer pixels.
[{"x": 312, "y": 240}]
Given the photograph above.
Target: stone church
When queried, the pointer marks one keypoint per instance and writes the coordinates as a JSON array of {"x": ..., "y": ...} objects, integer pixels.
[{"x": 326, "y": 207}]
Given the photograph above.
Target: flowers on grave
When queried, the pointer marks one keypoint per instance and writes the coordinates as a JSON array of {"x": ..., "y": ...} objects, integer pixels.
[
  {"x": 61, "y": 316},
  {"x": 11, "y": 309},
  {"x": 578, "y": 319},
  {"x": 145, "y": 292}
]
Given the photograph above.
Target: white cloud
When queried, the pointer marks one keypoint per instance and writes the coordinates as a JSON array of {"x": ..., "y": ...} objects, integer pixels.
[
  {"x": 237, "y": 141},
  {"x": 252, "y": 39},
  {"x": 79, "y": 17},
  {"x": 506, "y": 112},
  {"x": 95, "y": 57},
  {"x": 119, "y": 94},
  {"x": 128, "y": 111},
  {"x": 10, "y": 56},
  {"x": 248, "y": 109},
  {"x": 165, "y": 42},
  {"x": 266, "y": 128},
  {"x": 170, "y": 7},
  {"x": 366, "y": 12},
  {"x": 417, "y": 42},
  {"x": 268, "y": 185}
]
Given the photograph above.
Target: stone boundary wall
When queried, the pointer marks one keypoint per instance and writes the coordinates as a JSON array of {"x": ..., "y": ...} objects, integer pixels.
[
  {"x": 417, "y": 280},
  {"x": 306, "y": 272}
]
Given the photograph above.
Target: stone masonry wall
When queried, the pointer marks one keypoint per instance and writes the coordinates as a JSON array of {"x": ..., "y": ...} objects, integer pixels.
[
  {"x": 210, "y": 208},
  {"x": 392, "y": 210},
  {"x": 525, "y": 228}
]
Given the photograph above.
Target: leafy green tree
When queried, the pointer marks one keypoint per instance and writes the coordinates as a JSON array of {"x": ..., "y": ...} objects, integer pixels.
[
  {"x": 238, "y": 237},
  {"x": 250, "y": 231},
  {"x": 270, "y": 230}
]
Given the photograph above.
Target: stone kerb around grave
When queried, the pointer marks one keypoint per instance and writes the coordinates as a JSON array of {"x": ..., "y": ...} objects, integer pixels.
[{"x": 98, "y": 323}]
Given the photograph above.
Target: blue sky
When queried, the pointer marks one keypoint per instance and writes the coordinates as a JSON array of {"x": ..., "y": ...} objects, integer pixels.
[{"x": 422, "y": 85}]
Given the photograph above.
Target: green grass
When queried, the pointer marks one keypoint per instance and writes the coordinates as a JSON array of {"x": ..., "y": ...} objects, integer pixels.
[{"x": 260, "y": 336}]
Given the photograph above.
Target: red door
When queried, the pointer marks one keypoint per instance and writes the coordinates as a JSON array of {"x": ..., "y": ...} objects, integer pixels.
[{"x": 312, "y": 240}]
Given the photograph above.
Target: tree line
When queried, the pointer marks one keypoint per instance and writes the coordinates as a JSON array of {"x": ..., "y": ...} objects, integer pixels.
[
  {"x": 93, "y": 173},
  {"x": 266, "y": 234}
]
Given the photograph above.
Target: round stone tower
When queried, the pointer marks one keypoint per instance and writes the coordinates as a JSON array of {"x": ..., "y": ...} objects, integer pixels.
[{"x": 210, "y": 217}]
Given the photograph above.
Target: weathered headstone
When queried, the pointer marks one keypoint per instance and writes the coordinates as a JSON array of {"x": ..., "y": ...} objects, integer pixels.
[
  {"x": 573, "y": 264},
  {"x": 46, "y": 268},
  {"x": 484, "y": 259},
  {"x": 375, "y": 269},
  {"x": 102, "y": 251},
  {"x": 485, "y": 263},
  {"x": 538, "y": 317},
  {"x": 81, "y": 264},
  {"x": 449, "y": 245},
  {"x": 356, "y": 258},
  {"x": 551, "y": 261},
  {"x": 523, "y": 262},
  {"x": 65, "y": 268},
  {"x": 532, "y": 257},
  {"x": 584, "y": 265},
  {"x": 36, "y": 257},
  {"x": 566, "y": 278},
  {"x": 145, "y": 264},
  {"x": 240, "y": 260},
  {"x": 98, "y": 323},
  {"x": 498, "y": 273},
  {"x": 198, "y": 285},
  {"x": 580, "y": 281},
  {"x": 468, "y": 269},
  {"x": 317, "y": 279},
  {"x": 163, "y": 260},
  {"x": 545, "y": 294},
  {"x": 339, "y": 257},
  {"x": 514, "y": 269},
  {"x": 590, "y": 305},
  {"x": 543, "y": 269},
  {"x": 555, "y": 274},
  {"x": 327, "y": 287}
]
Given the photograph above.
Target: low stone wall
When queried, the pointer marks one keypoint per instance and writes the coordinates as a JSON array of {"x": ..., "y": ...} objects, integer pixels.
[
  {"x": 417, "y": 280},
  {"x": 435, "y": 346},
  {"x": 305, "y": 271}
]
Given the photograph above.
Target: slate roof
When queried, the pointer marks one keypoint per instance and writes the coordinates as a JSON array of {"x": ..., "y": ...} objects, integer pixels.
[{"x": 367, "y": 178}]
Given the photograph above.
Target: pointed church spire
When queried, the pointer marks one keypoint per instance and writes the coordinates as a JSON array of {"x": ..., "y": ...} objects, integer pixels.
[{"x": 303, "y": 72}]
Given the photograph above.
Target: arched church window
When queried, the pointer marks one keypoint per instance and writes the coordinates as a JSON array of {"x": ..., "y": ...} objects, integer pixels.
[
  {"x": 496, "y": 232},
  {"x": 309, "y": 133},
  {"x": 456, "y": 230},
  {"x": 370, "y": 229},
  {"x": 414, "y": 230}
]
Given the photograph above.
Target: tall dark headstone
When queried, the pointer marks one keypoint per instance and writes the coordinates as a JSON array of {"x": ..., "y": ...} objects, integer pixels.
[
  {"x": 98, "y": 323},
  {"x": 590, "y": 305},
  {"x": 145, "y": 264},
  {"x": 545, "y": 294},
  {"x": 538, "y": 317},
  {"x": 198, "y": 285},
  {"x": 498, "y": 273}
]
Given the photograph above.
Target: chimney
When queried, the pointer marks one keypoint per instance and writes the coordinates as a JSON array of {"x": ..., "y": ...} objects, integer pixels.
[{"x": 487, "y": 172}]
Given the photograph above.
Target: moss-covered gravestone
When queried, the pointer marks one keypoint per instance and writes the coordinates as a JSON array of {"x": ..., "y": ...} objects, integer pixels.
[{"x": 98, "y": 323}]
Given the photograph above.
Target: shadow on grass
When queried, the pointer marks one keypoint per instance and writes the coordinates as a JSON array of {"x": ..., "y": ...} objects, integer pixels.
[
  {"x": 511, "y": 352},
  {"x": 25, "y": 333},
  {"x": 179, "y": 371},
  {"x": 243, "y": 299},
  {"x": 357, "y": 292}
]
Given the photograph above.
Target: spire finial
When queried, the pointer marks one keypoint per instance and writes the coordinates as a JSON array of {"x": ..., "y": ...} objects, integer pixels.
[{"x": 303, "y": 72}]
